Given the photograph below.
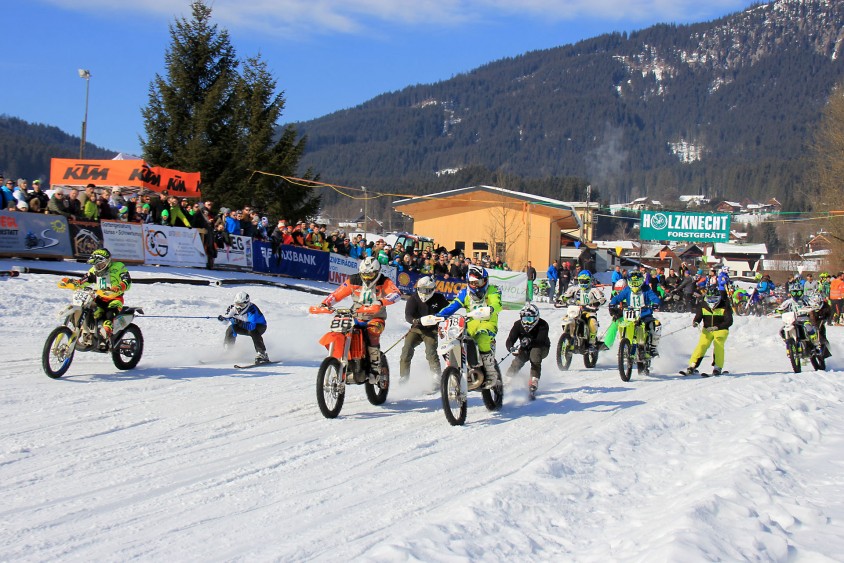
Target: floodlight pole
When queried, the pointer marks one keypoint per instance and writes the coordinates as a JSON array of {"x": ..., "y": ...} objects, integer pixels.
[{"x": 86, "y": 74}]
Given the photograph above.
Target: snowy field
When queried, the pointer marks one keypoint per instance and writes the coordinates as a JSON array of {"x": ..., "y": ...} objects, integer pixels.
[{"x": 179, "y": 460}]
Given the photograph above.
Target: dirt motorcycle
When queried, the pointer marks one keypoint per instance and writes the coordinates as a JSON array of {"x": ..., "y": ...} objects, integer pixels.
[
  {"x": 799, "y": 346},
  {"x": 464, "y": 371},
  {"x": 347, "y": 362},
  {"x": 632, "y": 348},
  {"x": 575, "y": 337},
  {"x": 81, "y": 332}
]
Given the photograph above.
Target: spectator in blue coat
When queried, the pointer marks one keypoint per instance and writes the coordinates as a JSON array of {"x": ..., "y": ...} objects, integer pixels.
[{"x": 553, "y": 275}]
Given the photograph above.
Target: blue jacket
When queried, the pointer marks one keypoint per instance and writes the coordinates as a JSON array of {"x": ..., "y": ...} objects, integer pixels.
[
  {"x": 723, "y": 281},
  {"x": 649, "y": 298},
  {"x": 617, "y": 276},
  {"x": 250, "y": 318},
  {"x": 232, "y": 225},
  {"x": 552, "y": 273}
]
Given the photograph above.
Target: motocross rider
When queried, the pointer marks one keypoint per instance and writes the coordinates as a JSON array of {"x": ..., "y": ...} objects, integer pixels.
[
  {"x": 633, "y": 296},
  {"x": 371, "y": 291},
  {"x": 479, "y": 293},
  {"x": 107, "y": 276},
  {"x": 589, "y": 298},
  {"x": 811, "y": 306}
]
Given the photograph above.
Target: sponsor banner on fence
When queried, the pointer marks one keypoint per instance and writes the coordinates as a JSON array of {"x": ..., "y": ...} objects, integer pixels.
[
  {"x": 238, "y": 254},
  {"x": 34, "y": 234},
  {"x": 173, "y": 246},
  {"x": 123, "y": 240},
  {"x": 293, "y": 261},
  {"x": 341, "y": 267},
  {"x": 85, "y": 237},
  {"x": 668, "y": 225}
]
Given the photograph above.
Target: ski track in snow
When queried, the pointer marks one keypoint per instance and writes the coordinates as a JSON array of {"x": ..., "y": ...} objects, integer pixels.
[{"x": 175, "y": 460}]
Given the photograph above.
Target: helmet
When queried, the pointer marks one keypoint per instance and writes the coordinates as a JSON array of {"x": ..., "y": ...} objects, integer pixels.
[
  {"x": 795, "y": 289},
  {"x": 758, "y": 276},
  {"x": 101, "y": 259},
  {"x": 636, "y": 281},
  {"x": 477, "y": 278},
  {"x": 241, "y": 302},
  {"x": 824, "y": 275},
  {"x": 529, "y": 315},
  {"x": 712, "y": 297},
  {"x": 584, "y": 279},
  {"x": 425, "y": 288},
  {"x": 369, "y": 269},
  {"x": 725, "y": 269}
]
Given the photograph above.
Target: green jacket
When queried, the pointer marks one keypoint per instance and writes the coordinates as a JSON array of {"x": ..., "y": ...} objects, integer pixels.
[{"x": 117, "y": 276}]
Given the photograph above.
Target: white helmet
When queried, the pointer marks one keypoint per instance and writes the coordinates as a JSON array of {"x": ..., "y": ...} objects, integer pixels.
[
  {"x": 425, "y": 287},
  {"x": 241, "y": 302},
  {"x": 369, "y": 269}
]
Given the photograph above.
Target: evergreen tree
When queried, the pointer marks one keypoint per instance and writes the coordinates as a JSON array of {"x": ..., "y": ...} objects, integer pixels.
[{"x": 189, "y": 117}]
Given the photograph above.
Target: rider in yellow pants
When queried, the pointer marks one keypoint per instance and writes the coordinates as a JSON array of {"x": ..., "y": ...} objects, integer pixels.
[{"x": 716, "y": 315}]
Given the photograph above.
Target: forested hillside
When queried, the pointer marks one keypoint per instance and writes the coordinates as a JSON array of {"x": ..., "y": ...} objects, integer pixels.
[{"x": 725, "y": 109}]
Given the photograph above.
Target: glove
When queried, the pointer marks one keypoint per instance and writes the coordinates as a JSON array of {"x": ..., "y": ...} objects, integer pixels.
[
  {"x": 615, "y": 312},
  {"x": 324, "y": 305},
  {"x": 221, "y": 318},
  {"x": 524, "y": 342},
  {"x": 513, "y": 349},
  {"x": 710, "y": 329},
  {"x": 416, "y": 323},
  {"x": 695, "y": 325}
]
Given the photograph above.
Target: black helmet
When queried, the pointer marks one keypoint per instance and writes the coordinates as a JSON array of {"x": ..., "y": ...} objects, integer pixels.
[{"x": 529, "y": 316}]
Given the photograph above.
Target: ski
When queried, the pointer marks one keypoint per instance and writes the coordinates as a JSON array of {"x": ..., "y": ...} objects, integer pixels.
[
  {"x": 685, "y": 372},
  {"x": 247, "y": 366},
  {"x": 725, "y": 372}
]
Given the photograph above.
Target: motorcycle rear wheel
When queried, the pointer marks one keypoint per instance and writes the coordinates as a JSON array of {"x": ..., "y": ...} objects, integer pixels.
[
  {"x": 494, "y": 397},
  {"x": 53, "y": 357},
  {"x": 377, "y": 394},
  {"x": 453, "y": 397},
  {"x": 129, "y": 348},
  {"x": 330, "y": 389}
]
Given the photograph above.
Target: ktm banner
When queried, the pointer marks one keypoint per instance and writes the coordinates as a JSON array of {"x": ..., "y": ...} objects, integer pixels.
[{"x": 123, "y": 173}]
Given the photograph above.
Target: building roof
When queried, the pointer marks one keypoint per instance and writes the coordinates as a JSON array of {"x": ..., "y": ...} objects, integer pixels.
[{"x": 732, "y": 248}]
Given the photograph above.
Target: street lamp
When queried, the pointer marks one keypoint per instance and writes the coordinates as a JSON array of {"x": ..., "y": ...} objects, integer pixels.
[{"x": 86, "y": 74}]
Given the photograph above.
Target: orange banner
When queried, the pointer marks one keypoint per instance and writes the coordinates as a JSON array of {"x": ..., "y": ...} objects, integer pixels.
[{"x": 124, "y": 173}]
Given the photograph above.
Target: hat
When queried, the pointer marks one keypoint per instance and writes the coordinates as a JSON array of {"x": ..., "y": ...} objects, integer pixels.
[
  {"x": 145, "y": 207},
  {"x": 123, "y": 210},
  {"x": 165, "y": 213},
  {"x": 264, "y": 220},
  {"x": 224, "y": 210},
  {"x": 23, "y": 206},
  {"x": 36, "y": 182}
]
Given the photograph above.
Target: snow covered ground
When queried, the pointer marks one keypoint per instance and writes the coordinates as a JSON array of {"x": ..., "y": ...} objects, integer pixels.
[{"x": 181, "y": 461}]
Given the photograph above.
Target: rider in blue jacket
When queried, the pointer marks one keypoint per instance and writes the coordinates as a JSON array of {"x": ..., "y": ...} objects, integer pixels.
[{"x": 639, "y": 296}]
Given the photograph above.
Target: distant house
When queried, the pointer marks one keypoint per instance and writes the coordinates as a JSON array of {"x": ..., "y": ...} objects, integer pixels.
[
  {"x": 694, "y": 200},
  {"x": 728, "y": 207},
  {"x": 638, "y": 204},
  {"x": 741, "y": 259},
  {"x": 819, "y": 242}
]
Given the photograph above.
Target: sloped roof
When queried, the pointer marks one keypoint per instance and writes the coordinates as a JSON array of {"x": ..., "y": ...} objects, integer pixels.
[{"x": 732, "y": 248}]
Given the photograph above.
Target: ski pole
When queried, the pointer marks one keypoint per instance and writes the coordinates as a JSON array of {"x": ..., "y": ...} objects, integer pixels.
[
  {"x": 676, "y": 331},
  {"x": 399, "y": 340},
  {"x": 504, "y": 358}
]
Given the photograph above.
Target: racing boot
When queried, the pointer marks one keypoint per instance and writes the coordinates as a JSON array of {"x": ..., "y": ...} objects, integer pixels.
[
  {"x": 490, "y": 369},
  {"x": 374, "y": 360}
]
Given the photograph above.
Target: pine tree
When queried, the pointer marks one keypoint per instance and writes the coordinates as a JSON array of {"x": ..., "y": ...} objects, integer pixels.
[{"x": 189, "y": 117}]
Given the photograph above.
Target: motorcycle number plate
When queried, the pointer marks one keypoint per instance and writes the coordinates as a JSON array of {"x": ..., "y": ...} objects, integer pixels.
[
  {"x": 80, "y": 297},
  {"x": 342, "y": 323},
  {"x": 631, "y": 314}
]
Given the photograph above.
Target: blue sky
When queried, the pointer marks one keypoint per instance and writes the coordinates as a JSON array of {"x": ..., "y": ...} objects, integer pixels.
[{"x": 326, "y": 55}]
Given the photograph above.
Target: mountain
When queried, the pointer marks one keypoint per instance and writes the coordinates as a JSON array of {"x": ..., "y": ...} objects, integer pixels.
[
  {"x": 26, "y": 148},
  {"x": 724, "y": 108}
]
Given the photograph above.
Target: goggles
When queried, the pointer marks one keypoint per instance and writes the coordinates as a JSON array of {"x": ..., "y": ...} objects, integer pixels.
[
  {"x": 476, "y": 283},
  {"x": 529, "y": 319}
]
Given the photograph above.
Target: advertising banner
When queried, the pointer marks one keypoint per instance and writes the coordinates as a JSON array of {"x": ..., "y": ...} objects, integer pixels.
[
  {"x": 173, "y": 246},
  {"x": 341, "y": 267},
  {"x": 513, "y": 285},
  {"x": 34, "y": 234},
  {"x": 239, "y": 253},
  {"x": 123, "y": 173},
  {"x": 694, "y": 227},
  {"x": 85, "y": 237},
  {"x": 123, "y": 240},
  {"x": 293, "y": 261}
]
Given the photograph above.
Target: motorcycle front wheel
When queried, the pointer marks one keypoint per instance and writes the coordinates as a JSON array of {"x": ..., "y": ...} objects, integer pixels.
[
  {"x": 128, "y": 348},
  {"x": 453, "y": 396},
  {"x": 564, "y": 352},
  {"x": 793, "y": 355},
  {"x": 54, "y": 358},
  {"x": 625, "y": 359},
  {"x": 377, "y": 393},
  {"x": 330, "y": 389}
]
